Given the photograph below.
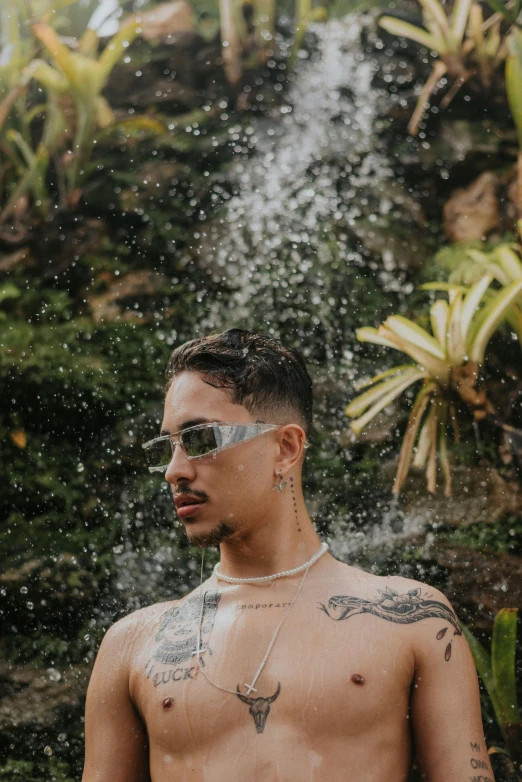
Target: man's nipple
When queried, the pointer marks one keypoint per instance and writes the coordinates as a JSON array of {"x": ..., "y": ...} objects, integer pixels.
[
  {"x": 168, "y": 702},
  {"x": 357, "y": 678}
]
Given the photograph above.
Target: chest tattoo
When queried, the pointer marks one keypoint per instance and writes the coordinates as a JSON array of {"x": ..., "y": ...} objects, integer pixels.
[
  {"x": 177, "y": 633},
  {"x": 402, "y": 609},
  {"x": 259, "y": 707}
]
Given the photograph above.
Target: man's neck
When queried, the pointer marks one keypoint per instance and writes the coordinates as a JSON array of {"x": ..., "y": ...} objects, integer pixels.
[{"x": 269, "y": 549}]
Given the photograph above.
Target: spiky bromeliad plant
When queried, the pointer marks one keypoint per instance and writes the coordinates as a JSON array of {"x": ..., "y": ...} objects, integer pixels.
[
  {"x": 75, "y": 108},
  {"x": 503, "y": 262},
  {"x": 464, "y": 42},
  {"x": 498, "y": 672},
  {"x": 448, "y": 363}
]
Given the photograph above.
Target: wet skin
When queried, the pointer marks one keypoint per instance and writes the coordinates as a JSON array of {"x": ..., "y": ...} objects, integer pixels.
[{"x": 362, "y": 671}]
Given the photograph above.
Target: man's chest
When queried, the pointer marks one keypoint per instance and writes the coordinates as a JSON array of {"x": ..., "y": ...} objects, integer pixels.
[{"x": 265, "y": 667}]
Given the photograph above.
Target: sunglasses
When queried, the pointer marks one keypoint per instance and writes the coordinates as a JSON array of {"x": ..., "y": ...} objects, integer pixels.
[{"x": 200, "y": 441}]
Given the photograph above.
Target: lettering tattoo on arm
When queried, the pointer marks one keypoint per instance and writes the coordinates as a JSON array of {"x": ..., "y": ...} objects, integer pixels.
[
  {"x": 478, "y": 765},
  {"x": 402, "y": 609}
]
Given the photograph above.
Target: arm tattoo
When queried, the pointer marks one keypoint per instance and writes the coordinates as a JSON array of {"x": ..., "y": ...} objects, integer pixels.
[
  {"x": 479, "y": 765},
  {"x": 402, "y": 609}
]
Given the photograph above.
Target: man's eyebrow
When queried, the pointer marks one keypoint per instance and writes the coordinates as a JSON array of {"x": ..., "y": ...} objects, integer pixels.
[{"x": 191, "y": 422}]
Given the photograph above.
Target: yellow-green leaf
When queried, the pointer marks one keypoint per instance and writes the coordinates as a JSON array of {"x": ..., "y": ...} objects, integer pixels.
[
  {"x": 361, "y": 402},
  {"x": 359, "y": 424},
  {"x": 360, "y": 384},
  {"x": 472, "y": 301},
  {"x": 370, "y": 334},
  {"x": 411, "y": 332},
  {"x": 494, "y": 312},
  {"x": 514, "y": 78},
  {"x": 503, "y": 646},
  {"x": 407, "y": 30},
  {"x": 508, "y": 259},
  {"x": 439, "y": 312},
  {"x": 438, "y": 369}
]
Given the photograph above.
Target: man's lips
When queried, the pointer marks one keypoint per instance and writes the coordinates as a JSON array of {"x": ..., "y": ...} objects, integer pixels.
[{"x": 189, "y": 510}]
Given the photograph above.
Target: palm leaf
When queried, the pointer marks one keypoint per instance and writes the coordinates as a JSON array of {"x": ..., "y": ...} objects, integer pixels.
[
  {"x": 358, "y": 385},
  {"x": 483, "y": 663},
  {"x": 411, "y": 332},
  {"x": 361, "y": 402},
  {"x": 455, "y": 346},
  {"x": 359, "y": 424},
  {"x": 434, "y": 366},
  {"x": 508, "y": 260},
  {"x": 407, "y": 30},
  {"x": 370, "y": 334},
  {"x": 419, "y": 406},
  {"x": 493, "y": 313},
  {"x": 459, "y": 20},
  {"x": 472, "y": 301},
  {"x": 443, "y": 449},
  {"x": 503, "y": 646},
  {"x": 514, "y": 79},
  {"x": 439, "y": 312},
  {"x": 431, "y": 469},
  {"x": 424, "y": 442}
]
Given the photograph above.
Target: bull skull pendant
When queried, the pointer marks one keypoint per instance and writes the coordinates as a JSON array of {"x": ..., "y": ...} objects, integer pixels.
[{"x": 259, "y": 707}]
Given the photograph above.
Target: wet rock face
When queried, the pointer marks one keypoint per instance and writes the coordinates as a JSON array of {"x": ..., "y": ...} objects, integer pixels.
[
  {"x": 30, "y": 695},
  {"x": 480, "y": 494},
  {"x": 480, "y": 584},
  {"x": 473, "y": 212}
]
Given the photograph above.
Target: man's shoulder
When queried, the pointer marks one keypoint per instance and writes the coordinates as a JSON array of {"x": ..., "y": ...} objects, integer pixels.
[
  {"x": 136, "y": 621},
  {"x": 390, "y": 585}
]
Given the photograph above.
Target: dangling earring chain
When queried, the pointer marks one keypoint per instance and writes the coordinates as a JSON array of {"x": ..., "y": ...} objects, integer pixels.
[
  {"x": 281, "y": 485},
  {"x": 269, "y": 579}
]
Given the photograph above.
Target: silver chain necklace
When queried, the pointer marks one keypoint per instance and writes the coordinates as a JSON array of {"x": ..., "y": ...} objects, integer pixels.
[{"x": 199, "y": 649}]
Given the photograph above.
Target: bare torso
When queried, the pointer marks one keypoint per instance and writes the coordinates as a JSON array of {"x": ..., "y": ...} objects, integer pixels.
[{"x": 332, "y": 701}]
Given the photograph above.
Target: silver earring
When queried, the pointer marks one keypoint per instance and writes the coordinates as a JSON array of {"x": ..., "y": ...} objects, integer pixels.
[{"x": 281, "y": 485}]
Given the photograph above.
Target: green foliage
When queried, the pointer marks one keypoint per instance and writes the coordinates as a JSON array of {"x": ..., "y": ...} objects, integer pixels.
[
  {"x": 510, "y": 10},
  {"x": 504, "y": 537},
  {"x": 53, "y": 770},
  {"x": 497, "y": 670}
]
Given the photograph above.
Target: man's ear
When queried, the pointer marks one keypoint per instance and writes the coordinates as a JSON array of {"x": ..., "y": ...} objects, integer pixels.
[{"x": 291, "y": 439}]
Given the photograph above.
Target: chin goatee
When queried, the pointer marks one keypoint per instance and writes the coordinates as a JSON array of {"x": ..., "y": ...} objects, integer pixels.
[{"x": 212, "y": 538}]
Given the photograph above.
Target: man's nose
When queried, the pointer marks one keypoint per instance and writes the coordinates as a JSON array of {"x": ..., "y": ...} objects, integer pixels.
[{"x": 180, "y": 467}]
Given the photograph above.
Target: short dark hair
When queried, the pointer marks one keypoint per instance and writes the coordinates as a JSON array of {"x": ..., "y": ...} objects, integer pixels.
[{"x": 265, "y": 376}]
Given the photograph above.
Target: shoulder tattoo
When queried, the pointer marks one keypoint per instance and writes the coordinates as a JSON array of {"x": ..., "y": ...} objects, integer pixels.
[{"x": 402, "y": 609}]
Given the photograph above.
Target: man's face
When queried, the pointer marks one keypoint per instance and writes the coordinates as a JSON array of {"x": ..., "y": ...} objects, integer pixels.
[{"x": 237, "y": 484}]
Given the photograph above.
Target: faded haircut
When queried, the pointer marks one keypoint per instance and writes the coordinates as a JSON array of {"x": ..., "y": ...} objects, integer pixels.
[{"x": 266, "y": 377}]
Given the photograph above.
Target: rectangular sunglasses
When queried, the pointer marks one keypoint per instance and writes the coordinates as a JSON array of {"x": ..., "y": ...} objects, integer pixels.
[{"x": 199, "y": 441}]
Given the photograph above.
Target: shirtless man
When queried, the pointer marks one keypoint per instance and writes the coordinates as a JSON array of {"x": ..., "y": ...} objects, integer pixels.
[{"x": 329, "y": 674}]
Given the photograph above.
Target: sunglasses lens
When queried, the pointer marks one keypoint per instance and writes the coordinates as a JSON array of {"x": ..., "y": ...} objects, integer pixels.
[
  {"x": 199, "y": 441},
  {"x": 158, "y": 455}
]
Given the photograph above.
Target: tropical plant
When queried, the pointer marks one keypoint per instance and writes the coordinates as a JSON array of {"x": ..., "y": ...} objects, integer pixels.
[
  {"x": 498, "y": 673},
  {"x": 447, "y": 361},
  {"x": 510, "y": 10},
  {"x": 514, "y": 95},
  {"x": 503, "y": 262},
  {"x": 82, "y": 76},
  {"x": 464, "y": 42},
  {"x": 73, "y": 113}
]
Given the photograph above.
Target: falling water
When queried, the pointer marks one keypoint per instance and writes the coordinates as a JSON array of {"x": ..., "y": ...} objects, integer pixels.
[{"x": 316, "y": 176}]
